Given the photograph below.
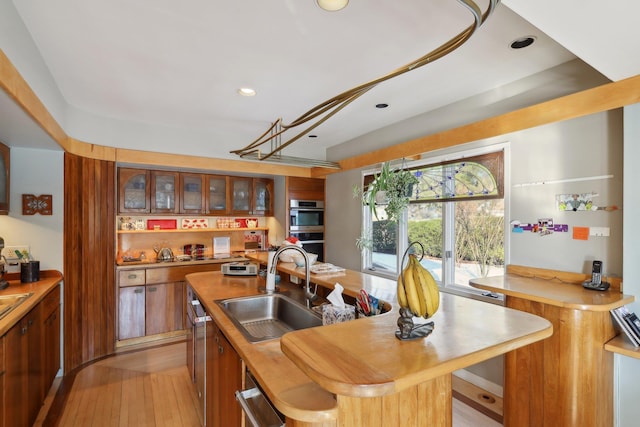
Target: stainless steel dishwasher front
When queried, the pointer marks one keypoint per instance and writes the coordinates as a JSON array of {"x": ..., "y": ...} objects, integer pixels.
[{"x": 259, "y": 412}]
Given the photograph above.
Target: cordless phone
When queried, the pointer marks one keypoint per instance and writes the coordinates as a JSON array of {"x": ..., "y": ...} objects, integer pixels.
[{"x": 596, "y": 282}]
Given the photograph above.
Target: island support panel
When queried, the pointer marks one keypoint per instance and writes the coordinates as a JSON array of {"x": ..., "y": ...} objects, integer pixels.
[
  {"x": 426, "y": 404},
  {"x": 565, "y": 380}
]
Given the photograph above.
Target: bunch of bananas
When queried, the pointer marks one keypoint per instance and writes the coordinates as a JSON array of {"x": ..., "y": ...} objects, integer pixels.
[{"x": 417, "y": 289}]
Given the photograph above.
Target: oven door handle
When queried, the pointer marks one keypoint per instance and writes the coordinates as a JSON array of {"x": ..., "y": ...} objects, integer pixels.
[{"x": 304, "y": 242}]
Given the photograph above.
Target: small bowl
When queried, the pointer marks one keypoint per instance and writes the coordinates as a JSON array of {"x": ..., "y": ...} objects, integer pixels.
[{"x": 299, "y": 259}]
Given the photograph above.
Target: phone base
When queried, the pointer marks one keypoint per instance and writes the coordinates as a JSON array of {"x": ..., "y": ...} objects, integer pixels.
[{"x": 603, "y": 286}]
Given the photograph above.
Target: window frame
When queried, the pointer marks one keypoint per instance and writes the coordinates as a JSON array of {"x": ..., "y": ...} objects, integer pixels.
[{"x": 448, "y": 207}]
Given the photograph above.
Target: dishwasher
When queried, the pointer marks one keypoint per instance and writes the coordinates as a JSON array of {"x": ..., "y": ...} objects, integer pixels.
[
  {"x": 199, "y": 321},
  {"x": 258, "y": 410}
]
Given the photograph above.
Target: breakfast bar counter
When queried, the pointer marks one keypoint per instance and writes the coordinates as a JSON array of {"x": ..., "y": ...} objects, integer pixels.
[
  {"x": 358, "y": 373},
  {"x": 566, "y": 380}
]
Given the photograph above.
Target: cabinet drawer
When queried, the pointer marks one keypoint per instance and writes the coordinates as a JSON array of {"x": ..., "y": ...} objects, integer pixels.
[
  {"x": 131, "y": 277},
  {"x": 51, "y": 302}
]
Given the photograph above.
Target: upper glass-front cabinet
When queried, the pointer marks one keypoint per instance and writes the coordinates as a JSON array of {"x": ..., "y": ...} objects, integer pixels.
[
  {"x": 5, "y": 159},
  {"x": 192, "y": 193},
  {"x": 133, "y": 190},
  {"x": 262, "y": 196},
  {"x": 218, "y": 196},
  {"x": 241, "y": 195},
  {"x": 164, "y": 192}
]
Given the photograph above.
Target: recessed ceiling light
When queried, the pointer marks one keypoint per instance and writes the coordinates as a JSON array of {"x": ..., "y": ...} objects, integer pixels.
[
  {"x": 332, "y": 5},
  {"x": 246, "y": 91},
  {"x": 382, "y": 105},
  {"x": 522, "y": 42}
]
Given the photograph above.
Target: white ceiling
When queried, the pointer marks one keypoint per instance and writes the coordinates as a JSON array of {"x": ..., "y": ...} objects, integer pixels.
[{"x": 142, "y": 74}]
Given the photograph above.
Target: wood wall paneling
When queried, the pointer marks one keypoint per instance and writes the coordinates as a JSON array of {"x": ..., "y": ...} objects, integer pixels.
[{"x": 89, "y": 259}]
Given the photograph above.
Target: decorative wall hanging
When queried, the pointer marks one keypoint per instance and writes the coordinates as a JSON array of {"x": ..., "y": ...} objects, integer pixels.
[
  {"x": 543, "y": 227},
  {"x": 32, "y": 205},
  {"x": 580, "y": 202}
]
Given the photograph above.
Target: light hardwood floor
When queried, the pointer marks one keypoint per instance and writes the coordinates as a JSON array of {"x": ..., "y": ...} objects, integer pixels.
[{"x": 151, "y": 388}]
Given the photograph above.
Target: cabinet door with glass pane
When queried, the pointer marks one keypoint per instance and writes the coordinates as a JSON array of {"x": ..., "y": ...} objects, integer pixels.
[
  {"x": 241, "y": 195},
  {"x": 164, "y": 192},
  {"x": 217, "y": 196},
  {"x": 262, "y": 196},
  {"x": 192, "y": 193},
  {"x": 133, "y": 191}
]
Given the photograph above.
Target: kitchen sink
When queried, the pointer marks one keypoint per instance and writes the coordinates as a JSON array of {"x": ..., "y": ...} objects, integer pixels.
[
  {"x": 9, "y": 302},
  {"x": 266, "y": 317}
]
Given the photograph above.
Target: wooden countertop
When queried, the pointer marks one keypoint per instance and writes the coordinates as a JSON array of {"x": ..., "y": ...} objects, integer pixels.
[
  {"x": 290, "y": 390},
  {"x": 48, "y": 280},
  {"x": 553, "y": 292},
  {"x": 301, "y": 371},
  {"x": 134, "y": 265},
  {"x": 351, "y": 281}
]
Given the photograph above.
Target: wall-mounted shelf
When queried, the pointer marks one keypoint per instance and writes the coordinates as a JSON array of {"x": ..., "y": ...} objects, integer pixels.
[
  {"x": 621, "y": 345},
  {"x": 191, "y": 230}
]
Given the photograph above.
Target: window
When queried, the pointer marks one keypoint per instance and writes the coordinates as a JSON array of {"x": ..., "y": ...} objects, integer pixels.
[{"x": 456, "y": 212}]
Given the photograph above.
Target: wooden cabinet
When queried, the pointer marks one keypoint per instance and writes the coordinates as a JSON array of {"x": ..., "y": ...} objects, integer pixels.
[
  {"x": 143, "y": 191},
  {"x": 151, "y": 301},
  {"x": 164, "y": 192},
  {"x": 262, "y": 197},
  {"x": 299, "y": 188},
  {"x": 24, "y": 382},
  {"x": 131, "y": 312},
  {"x": 5, "y": 163},
  {"x": 16, "y": 375},
  {"x": 133, "y": 190},
  {"x": 218, "y": 195},
  {"x": 51, "y": 333},
  {"x": 192, "y": 193},
  {"x": 251, "y": 196},
  {"x": 241, "y": 196},
  {"x": 163, "y": 308},
  {"x": 224, "y": 378}
]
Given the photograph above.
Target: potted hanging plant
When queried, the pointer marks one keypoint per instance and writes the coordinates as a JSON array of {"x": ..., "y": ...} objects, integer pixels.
[{"x": 391, "y": 189}]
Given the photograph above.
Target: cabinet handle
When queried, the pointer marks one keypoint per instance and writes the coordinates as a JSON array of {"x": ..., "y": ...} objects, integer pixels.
[
  {"x": 133, "y": 276},
  {"x": 138, "y": 291},
  {"x": 153, "y": 289},
  {"x": 30, "y": 323},
  {"x": 23, "y": 331},
  {"x": 220, "y": 349}
]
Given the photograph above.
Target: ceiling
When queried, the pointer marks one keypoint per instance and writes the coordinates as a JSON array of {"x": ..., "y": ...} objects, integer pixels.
[{"x": 162, "y": 75}]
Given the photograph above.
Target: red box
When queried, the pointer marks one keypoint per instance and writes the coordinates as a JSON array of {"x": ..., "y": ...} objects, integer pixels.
[{"x": 164, "y": 224}]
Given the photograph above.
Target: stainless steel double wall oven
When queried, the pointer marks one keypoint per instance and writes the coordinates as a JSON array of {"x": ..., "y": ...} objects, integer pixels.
[{"x": 306, "y": 222}]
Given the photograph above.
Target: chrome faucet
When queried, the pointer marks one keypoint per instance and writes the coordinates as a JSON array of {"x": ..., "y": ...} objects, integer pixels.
[{"x": 310, "y": 296}]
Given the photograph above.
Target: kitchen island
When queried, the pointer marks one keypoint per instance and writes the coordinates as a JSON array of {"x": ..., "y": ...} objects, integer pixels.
[
  {"x": 566, "y": 380},
  {"x": 358, "y": 373}
]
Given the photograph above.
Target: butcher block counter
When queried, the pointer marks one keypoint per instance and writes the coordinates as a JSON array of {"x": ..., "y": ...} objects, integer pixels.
[
  {"x": 566, "y": 380},
  {"x": 49, "y": 279},
  {"x": 358, "y": 373}
]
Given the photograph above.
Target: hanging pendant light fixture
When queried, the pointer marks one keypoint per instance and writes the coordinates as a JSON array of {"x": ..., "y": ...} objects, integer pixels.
[
  {"x": 324, "y": 111},
  {"x": 332, "y": 5}
]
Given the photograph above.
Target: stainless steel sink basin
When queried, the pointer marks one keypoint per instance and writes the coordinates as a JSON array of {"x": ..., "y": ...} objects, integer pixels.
[
  {"x": 9, "y": 302},
  {"x": 266, "y": 317}
]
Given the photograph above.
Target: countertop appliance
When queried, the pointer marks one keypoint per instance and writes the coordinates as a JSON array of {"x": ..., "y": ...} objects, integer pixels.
[{"x": 239, "y": 268}]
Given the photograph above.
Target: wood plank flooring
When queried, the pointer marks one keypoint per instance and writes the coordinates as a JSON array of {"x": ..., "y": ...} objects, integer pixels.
[{"x": 151, "y": 388}]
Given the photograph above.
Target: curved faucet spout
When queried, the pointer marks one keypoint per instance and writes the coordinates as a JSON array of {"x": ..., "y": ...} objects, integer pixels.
[{"x": 310, "y": 296}]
